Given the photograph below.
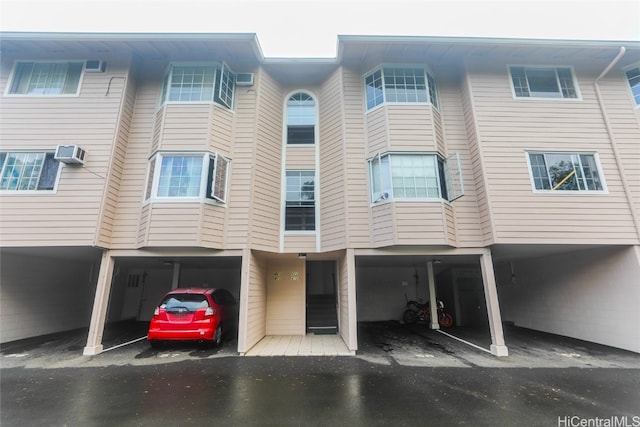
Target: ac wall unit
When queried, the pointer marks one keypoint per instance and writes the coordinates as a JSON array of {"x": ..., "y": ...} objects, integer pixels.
[
  {"x": 69, "y": 154},
  {"x": 244, "y": 79},
  {"x": 94, "y": 66}
]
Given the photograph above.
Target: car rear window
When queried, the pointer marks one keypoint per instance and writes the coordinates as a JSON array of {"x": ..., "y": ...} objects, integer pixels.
[{"x": 191, "y": 302}]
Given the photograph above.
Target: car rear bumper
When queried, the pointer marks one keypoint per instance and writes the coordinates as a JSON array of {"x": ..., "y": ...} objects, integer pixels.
[{"x": 180, "y": 335}]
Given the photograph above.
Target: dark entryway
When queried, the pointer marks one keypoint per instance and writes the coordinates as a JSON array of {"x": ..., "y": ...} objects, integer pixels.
[{"x": 322, "y": 317}]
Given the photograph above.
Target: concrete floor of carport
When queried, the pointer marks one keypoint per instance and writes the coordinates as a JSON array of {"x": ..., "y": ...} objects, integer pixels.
[{"x": 388, "y": 343}]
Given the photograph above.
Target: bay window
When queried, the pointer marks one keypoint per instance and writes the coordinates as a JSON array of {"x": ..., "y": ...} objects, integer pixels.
[
  {"x": 192, "y": 176},
  {"x": 400, "y": 85},
  {"x": 185, "y": 83}
]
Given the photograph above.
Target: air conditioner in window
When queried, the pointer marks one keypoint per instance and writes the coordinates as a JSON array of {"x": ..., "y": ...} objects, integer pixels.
[
  {"x": 70, "y": 154},
  {"x": 244, "y": 79},
  {"x": 94, "y": 66}
]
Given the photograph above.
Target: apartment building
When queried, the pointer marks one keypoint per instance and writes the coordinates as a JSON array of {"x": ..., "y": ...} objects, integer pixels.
[{"x": 501, "y": 176}]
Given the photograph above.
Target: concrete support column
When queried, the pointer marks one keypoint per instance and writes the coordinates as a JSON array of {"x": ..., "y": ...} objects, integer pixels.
[
  {"x": 245, "y": 275},
  {"x": 175, "y": 280},
  {"x": 352, "y": 338},
  {"x": 498, "y": 347},
  {"x": 433, "y": 304},
  {"x": 100, "y": 303}
]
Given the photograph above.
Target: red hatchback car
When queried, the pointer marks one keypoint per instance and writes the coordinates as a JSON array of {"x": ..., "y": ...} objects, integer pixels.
[{"x": 193, "y": 314}]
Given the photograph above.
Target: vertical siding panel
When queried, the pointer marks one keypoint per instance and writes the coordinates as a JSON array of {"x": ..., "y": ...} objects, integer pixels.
[
  {"x": 265, "y": 202},
  {"x": 256, "y": 301}
]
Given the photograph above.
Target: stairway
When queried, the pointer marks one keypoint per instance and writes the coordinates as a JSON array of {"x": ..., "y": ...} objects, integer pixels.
[{"x": 322, "y": 318}]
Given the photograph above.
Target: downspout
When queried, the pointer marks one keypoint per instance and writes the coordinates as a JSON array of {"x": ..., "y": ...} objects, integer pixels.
[{"x": 612, "y": 140}]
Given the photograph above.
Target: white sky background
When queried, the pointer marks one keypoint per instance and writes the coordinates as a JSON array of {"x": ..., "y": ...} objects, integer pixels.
[{"x": 309, "y": 28}]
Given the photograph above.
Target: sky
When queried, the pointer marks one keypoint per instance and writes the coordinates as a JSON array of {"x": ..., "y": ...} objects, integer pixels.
[{"x": 309, "y": 28}]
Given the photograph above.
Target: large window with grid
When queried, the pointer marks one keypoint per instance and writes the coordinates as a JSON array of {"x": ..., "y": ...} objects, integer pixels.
[
  {"x": 633, "y": 77},
  {"x": 400, "y": 85},
  {"x": 407, "y": 176},
  {"x": 199, "y": 83},
  {"x": 195, "y": 176},
  {"x": 551, "y": 171},
  {"x": 543, "y": 82},
  {"x": 46, "y": 78},
  {"x": 300, "y": 205},
  {"x": 301, "y": 119},
  {"x": 28, "y": 171}
]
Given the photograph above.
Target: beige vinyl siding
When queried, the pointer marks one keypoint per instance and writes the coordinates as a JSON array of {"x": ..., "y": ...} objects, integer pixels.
[
  {"x": 221, "y": 130},
  {"x": 286, "y": 297},
  {"x": 508, "y": 127},
  {"x": 131, "y": 217},
  {"x": 299, "y": 242},
  {"x": 213, "y": 230},
  {"x": 301, "y": 157},
  {"x": 174, "y": 224},
  {"x": 185, "y": 127},
  {"x": 41, "y": 123},
  {"x": 347, "y": 299},
  {"x": 377, "y": 131},
  {"x": 356, "y": 194},
  {"x": 464, "y": 211},
  {"x": 241, "y": 177},
  {"x": 267, "y": 166},
  {"x": 477, "y": 163},
  {"x": 411, "y": 128},
  {"x": 256, "y": 327},
  {"x": 110, "y": 202},
  {"x": 383, "y": 225},
  {"x": 419, "y": 223},
  {"x": 333, "y": 175}
]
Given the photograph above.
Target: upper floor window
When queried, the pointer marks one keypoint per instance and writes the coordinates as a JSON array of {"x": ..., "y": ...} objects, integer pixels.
[
  {"x": 199, "y": 83},
  {"x": 633, "y": 77},
  {"x": 400, "y": 85},
  {"x": 25, "y": 171},
  {"x": 46, "y": 78},
  {"x": 300, "y": 204},
  {"x": 301, "y": 119},
  {"x": 543, "y": 82},
  {"x": 415, "y": 176},
  {"x": 565, "y": 172},
  {"x": 187, "y": 175}
]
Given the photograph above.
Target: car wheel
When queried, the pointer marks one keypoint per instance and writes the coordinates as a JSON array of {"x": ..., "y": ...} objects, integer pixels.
[{"x": 217, "y": 336}]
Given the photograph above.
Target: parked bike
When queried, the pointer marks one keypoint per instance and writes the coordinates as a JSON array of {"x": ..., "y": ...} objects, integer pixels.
[{"x": 421, "y": 312}]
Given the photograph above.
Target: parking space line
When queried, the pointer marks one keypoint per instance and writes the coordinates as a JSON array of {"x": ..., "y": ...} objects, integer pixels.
[
  {"x": 466, "y": 342},
  {"x": 122, "y": 345}
]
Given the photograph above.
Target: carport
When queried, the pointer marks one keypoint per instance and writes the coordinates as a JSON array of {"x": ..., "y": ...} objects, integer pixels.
[
  {"x": 463, "y": 279},
  {"x": 130, "y": 283}
]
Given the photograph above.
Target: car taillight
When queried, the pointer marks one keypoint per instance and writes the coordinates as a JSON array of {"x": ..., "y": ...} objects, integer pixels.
[
  {"x": 156, "y": 312},
  {"x": 210, "y": 311}
]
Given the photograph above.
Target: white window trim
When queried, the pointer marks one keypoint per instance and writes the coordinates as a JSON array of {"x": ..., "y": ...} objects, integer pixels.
[
  {"x": 316, "y": 205},
  {"x": 7, "y": 91},
  {"x": 316, "y": 127},
  {"x": 384, "y": 102},
  {"x": 596, "y": 158},
  {"x": 626, "y": 81},
  {"x": 33, "y": 192},
  {"x": 202, "y": 197},
  {"x": 576, "y": 86},
  {"x": 216, "y": 65},
  {"x": 392, "y": 198}
]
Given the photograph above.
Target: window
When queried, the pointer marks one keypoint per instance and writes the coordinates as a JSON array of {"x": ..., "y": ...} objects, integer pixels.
[
  {"x": 28, "y": 171},
  {"x": 400, "y": 85},
  {"x": 565, "y": 172},
  {"x": 300, "y": 209},
  {"x": 415, "y": 176},
  {"x": 301, "y": 119},
  {"x": 189, "y": 175},
  {"x": 199, "y": 83},
  {"x": 543, "y": 82},
  {"x": 633, "y": 77},
  {"x": 46, "y": 78}
]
